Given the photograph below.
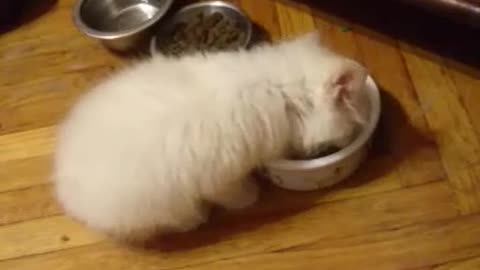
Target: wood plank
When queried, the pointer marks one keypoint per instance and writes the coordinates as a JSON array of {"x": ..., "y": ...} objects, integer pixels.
[
  {"x": 467, "y": 87},
  {"x": 41, "y": 103},
  {"x": 468, "y": 264},
  {"x": 27, "y": 204},
  {"x": 446, "y": 114},
  {"x": 268, "y": 228},
  {"x": 57, "y": 60},
  {"x": 263, "y": 13},
  {"x": 466, "y": 186},
  {"x": 32, "y": 40},
  {"x": 39, "y": 55},
  {"x": 454, "y": 133},
  {"x": 27, "y": 144},
  {"x": 294, "y": 20},
  {"x": 45, "y": 27},
  {"x": 409, "y": 138},
  {"x": 24, "y": 173},
  {"x": 30, "y": 47},
  {"x": 42, "y": 235},
  {"x": 467, "y": 182},
  {"x": 405, "y": 248},
  {"x": 338, "y": 36}
]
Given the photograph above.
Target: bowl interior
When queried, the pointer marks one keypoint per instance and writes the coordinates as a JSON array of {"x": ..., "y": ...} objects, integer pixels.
[
  {"x": 120, "y": 15},
  {"x": 362, "y": 139},
  {"x": 206, "y": 8}
]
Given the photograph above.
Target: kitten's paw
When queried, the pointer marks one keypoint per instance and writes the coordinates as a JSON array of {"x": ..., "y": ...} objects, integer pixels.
[{"x": 244, "y": 197}]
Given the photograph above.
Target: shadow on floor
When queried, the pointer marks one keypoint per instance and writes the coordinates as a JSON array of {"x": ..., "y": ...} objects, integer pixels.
[
  {"x": 395, "y": 140},
  {"x": 428, "y": 32},
  {"x": 16, "y": 13}
]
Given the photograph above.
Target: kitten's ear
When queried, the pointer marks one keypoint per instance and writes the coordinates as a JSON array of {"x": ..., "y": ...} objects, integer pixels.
[
  {"x": 347, "y": 80},
  {"x": 346, "y": 83}
]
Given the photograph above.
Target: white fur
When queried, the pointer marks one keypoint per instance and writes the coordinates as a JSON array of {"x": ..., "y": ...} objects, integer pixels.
[{"x": 150, "y": 148}]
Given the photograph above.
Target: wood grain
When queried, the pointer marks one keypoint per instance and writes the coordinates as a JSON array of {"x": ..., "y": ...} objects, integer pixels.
[
  {"x": 447, "y": 116},
  {"x": 467, "y": 264},
  {"x": 24, "y": 173},
  {"x": 293, "y": 20},
  {"x": 27, "y": 204},
  {"x": 466, "y": 185},
  {"x": 38, "y": 104},
  {"x": 27, "y": 144},
  {"x": 414, "y": 149},
  {"x": 415, "y": 203},
  {"x": 390, "y": 250},
  {"x": 274, "y": 230},
  {"x": 455, "y": 135},
  {"x": 339, "y": 38},
  {"x": 264, "y": 15},
  {"x": 42, "y": 235},
  {"x": 466, "y": 87}
]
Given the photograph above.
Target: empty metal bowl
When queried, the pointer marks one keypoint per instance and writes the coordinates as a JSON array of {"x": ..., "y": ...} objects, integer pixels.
[
  {"x": 119, "y": 24},
  {"x": 192, "y": 11}
]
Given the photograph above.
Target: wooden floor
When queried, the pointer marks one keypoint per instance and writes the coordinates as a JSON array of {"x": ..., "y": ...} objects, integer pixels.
[{"x": 414, "y": 205}]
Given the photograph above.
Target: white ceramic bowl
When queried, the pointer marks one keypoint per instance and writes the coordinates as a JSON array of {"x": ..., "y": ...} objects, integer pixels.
[{"x": 308, "y": 175}]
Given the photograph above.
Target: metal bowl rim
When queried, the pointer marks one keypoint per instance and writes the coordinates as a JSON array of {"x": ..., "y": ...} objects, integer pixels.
[
  {"x": 361, "y": 141},
  {"x": 204, "y": 4},
  {"x": 109, "y": 35}
]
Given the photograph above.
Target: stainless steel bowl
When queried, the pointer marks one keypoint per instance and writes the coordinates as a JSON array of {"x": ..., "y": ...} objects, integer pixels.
[
  {"x": 209, "y": 7},
  {"x": 119, "y": 24}
]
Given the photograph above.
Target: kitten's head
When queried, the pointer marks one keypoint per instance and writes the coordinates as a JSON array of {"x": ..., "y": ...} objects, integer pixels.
[{"x": 336, "y": 102}]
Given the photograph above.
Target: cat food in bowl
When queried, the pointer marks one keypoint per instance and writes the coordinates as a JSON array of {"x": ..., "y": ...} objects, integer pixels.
[
  {"x": 335, "y": 166},
  {"x": 204, "y": 26}
]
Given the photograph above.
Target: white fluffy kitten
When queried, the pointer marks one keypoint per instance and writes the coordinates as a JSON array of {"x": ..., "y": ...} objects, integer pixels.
[{"x": 150, "y": 148}]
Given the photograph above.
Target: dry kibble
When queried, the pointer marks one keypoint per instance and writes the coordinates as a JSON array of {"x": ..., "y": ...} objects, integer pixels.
[
  {"x": 65, "y": 238},
  {"x": 212, "y": 32}
]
